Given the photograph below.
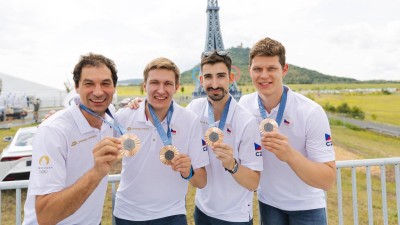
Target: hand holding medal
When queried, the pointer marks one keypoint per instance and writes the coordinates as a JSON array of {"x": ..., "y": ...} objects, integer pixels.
[{"x": 130, "y": 142}]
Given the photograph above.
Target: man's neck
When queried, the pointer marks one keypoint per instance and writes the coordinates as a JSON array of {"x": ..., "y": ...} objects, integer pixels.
[
  {"x": 271, "y": 101},
  {"x": 93, "y": 121},
  {"x": 218, "y": 107},
  {"x": 160, "y": 113}
]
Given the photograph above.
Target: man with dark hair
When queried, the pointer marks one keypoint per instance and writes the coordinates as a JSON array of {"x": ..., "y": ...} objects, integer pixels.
[
  {"x": 74, "y": 151},
  {"x": 299, "y": 160},
  {"x": 232, "y": 140}
]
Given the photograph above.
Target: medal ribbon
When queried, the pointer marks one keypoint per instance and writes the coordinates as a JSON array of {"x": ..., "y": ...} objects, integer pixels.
[
  {"x": 115, "y": 126},
  {"x": 281, "y": 109},
  {"x": 211, "y": 120},
  {"x": 165, "y": 137}
]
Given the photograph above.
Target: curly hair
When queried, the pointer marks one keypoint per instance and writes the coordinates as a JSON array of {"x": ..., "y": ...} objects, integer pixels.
[{"x": 95, "y": 60}]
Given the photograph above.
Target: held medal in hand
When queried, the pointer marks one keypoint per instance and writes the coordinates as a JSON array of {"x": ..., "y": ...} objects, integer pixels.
[
  {"x": 268, "y": 125},
  {"x": 130, "y": 145},
  {"x": 213, "y": 135},
  {"x": 167, "y": 153}
]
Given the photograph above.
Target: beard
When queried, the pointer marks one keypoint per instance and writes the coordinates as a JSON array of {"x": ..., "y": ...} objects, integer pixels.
[{"x": 216, "y": 97}]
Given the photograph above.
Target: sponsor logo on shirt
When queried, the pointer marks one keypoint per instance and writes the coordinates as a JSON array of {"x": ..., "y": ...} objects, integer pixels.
[
  {"x": 83, "y": 140},
  {"x": 328, "y": 140},
  {"x": 257, "y": 148},
  {"x": 138, "y": 128},
  {"x": 44, "y": 164},
  {"x": 204, "y": 144}
]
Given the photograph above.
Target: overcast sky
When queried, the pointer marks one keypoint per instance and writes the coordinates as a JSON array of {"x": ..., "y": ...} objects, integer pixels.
[{"x": 42, "y": 40}]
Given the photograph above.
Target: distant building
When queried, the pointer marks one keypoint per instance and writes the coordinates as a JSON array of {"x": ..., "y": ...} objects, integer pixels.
[{"x": 21, "y": 90}]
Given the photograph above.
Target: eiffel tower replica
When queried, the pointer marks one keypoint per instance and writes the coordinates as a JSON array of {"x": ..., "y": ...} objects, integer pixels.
[{"x": 213, "y": 42}]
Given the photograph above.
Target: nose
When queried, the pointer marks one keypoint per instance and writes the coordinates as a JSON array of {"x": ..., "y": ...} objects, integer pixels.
[
  {"x": 264, "y": 73},
  {"x": 161, "y": 89},
  {"x": 214, "y": 83},
  {"x": 98, "y": 91}
]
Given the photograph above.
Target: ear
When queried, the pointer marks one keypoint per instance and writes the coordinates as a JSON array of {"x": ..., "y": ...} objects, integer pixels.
[
  {"x": 231, "y": 78},
  {"x": 144, "y": 86},
  {"x": 176, "y": 87},
  {"x": 201, "y": 80},
  {"x": 285, "y": 69}
]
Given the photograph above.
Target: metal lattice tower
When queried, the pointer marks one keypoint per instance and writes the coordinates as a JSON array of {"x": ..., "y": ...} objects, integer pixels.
[
  {"x": 214, "y": 36},
  {"x": 213, "y": 42}
]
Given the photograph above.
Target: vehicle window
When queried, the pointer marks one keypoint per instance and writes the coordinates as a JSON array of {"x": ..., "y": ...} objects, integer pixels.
[{"x": 24, "y": 139}]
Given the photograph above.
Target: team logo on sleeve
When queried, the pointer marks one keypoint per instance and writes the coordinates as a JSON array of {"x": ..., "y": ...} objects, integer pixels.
[
  {"x": 204, "y": 144},
  {"x": 44, "y": 164},
  {"x": 257, "y": 148},
  {"x": 328, "y": 140}
]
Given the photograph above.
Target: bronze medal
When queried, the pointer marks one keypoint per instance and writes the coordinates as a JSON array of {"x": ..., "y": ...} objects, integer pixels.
[
  {"x": 213, "y": 135},
  {"x": 130, "y": 144},
  {"x": 167, "y": 153},
  {"x": 268, "y": 125}
]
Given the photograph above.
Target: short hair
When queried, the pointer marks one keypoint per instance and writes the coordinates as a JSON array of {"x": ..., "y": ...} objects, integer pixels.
[
  {"x": 268, "y": 47},
  {"x": 95, "y": 60},
  {"x": 161, "y": 63},
  {"x": 215, "y": 58}
]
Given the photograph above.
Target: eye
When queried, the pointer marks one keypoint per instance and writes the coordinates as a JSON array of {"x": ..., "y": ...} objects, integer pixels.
[
  {"x": 106, "y": 84},
  {"x": 88, "y": 84}
]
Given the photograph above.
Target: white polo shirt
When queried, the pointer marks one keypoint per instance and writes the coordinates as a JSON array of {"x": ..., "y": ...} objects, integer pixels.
[
  {"x": 223, "y": 198},
  {"x": 306, "y": 125},
  {"x": 149, "y": 189},
  {"x": 63, "y": 152}
]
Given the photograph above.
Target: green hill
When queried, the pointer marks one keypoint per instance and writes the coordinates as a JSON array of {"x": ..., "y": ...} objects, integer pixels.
[{"x": 296, "y": 75}]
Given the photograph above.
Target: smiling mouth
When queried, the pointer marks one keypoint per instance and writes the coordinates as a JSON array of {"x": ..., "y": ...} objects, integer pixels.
[
  {"x": 264, "y": 83},
  {"x": 160, "y": 98},
  {"x": 98, "y": 100}
]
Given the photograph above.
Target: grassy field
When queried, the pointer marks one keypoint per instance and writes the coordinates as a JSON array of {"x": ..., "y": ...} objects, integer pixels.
[
  {"x": 349, "y": 144},
  {"x": 378, "y": 107}
]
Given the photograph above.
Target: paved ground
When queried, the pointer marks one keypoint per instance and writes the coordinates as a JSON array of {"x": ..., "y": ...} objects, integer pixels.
[{"x": 369, "y": 125}]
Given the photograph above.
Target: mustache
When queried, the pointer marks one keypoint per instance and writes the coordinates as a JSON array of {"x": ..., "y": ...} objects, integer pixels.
[{"x": 214, "y": 89}]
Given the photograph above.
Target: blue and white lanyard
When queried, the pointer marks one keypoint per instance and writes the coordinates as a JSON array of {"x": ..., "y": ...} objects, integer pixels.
[
  {"x": 211, "y": 118},
  {"x": 115, "y": 126},
  {"x": 165, "y": 137},
  {"x": 281, "y": 109}
]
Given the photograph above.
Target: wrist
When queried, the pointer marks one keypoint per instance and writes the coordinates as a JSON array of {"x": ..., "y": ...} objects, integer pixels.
[
  {"x": 191, "y": 173},
  {"x": 234, "y": 168}
]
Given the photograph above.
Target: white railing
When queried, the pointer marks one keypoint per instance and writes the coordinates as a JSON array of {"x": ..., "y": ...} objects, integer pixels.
[
  {"x": 368, "y": 163},
  {"x": 352, "y": 164}
]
